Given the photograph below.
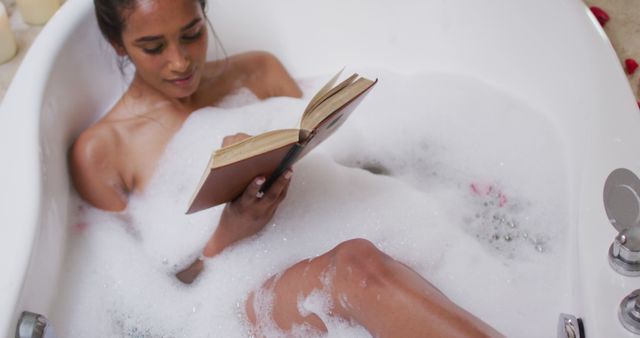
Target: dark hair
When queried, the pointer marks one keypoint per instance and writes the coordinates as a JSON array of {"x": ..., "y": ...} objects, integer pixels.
[{"x": 111, "y": 18}]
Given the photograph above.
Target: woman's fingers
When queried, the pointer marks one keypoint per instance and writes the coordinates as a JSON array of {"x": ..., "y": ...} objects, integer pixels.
[
  {"x": 250, "y": 212},
  {"x": 263, "y": 203},
  {"x": 252, "y": 192},
  {"x": 273, "y": 195},
  {"x": 271, "y": 208},
  {"x": 283, "y": 194}
]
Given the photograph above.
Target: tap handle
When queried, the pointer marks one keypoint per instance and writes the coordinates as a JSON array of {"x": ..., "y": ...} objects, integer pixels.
[{"x": 621, "y": 199}]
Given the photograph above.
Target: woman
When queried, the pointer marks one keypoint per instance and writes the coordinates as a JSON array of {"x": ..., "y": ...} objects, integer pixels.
[{"x": 167, "y": 41}]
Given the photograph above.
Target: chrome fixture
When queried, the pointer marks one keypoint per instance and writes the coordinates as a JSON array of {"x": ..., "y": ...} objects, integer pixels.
[
  {"x": 570, "y": 327},
  {"x": 33, "y": 325},
  {"x": 622, "y": 204},
  {"x": 624, "y": 253},
  {"x": 629, "y": 313}
]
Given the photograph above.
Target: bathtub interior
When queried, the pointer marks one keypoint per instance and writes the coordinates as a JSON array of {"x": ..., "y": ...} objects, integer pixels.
[
  {"x": 552, "y": 55},
  {"x": 80, "y": 67},
  {"x": 559, "y": 72}
]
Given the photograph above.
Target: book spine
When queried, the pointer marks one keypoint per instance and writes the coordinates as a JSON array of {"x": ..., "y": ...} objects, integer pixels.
[{"x": 288, "y": 160}]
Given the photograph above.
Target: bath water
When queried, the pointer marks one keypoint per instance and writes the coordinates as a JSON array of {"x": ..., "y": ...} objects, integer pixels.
[{"x": 462, "y": 182}]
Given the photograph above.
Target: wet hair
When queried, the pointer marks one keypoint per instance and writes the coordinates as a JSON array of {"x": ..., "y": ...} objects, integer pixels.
[{"x": 111, "y": 17}]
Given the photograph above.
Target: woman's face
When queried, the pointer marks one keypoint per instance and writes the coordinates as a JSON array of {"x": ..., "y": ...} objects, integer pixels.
[{"x": 167, "y": 42}]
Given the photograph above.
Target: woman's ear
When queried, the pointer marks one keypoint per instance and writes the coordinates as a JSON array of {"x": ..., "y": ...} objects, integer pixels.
[{"x": 118, "y": 48}]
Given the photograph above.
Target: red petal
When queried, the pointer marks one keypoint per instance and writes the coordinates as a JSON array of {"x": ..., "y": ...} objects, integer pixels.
[
  {"x": 630, "y": 65},
  {"x": 502, "y": 200},
  {"x": 600, "y": 14}
]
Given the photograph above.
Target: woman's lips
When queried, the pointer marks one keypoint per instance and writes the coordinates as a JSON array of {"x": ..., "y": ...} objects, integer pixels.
[{"x": 183, "y": 81}]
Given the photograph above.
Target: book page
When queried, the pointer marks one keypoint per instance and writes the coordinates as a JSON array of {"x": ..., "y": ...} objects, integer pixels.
[
  {"x": 321, "y": 93},
  {"x": 332, "y": 123},
  {"x": 253, "y": 146},
  {"x": 328, "y": 95},
  {"x": 335, "y": 102}
]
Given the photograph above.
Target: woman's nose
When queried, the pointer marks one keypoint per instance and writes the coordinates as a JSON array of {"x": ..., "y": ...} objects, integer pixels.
[{"x": 179, "y": 59}]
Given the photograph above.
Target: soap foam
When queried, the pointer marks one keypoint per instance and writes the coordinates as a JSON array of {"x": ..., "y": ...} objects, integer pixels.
[{"x": 460, "y": 181}]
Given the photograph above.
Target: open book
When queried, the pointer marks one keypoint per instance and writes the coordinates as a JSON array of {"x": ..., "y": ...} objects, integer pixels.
[{"x": 233, "y": 167}]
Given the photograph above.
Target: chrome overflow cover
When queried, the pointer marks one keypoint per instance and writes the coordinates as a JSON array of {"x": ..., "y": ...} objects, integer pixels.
[
  {"x": 622, "y": 204},
  {"x": 629, "y": 313}
]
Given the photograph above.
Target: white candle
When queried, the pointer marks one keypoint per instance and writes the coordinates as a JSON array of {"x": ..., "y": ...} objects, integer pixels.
[
  {"x": 8, "y": 45},
  {"x": 37, "y": 12}
]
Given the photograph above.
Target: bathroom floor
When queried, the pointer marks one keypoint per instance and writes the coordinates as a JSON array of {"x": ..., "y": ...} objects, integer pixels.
[
  {"x": 24, "y": 35},
  {"x": 622, "y": 29}
]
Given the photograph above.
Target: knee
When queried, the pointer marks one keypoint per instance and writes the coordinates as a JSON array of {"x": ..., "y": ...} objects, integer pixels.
[
  {"x": 356, "y": 249},
  {"x": 359, "y": 262}
]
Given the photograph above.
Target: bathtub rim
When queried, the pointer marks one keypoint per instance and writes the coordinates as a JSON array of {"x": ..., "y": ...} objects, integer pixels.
[
  {"x": 32, "y": 77},
  {"x": 63, "y": 23}
]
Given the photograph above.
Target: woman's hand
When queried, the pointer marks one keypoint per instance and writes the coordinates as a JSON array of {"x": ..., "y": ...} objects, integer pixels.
[
  {"x": 235, "y": 138},
  {"x": 250, "y": 212}
]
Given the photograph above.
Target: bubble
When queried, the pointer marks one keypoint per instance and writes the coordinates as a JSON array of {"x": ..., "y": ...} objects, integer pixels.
[{"x": 397, "y": 173}]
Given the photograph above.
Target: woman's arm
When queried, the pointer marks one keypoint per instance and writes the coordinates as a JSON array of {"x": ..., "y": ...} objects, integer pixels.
[
  {"x": 241, "y": 218},
  {"x": 94, "y": 171}
]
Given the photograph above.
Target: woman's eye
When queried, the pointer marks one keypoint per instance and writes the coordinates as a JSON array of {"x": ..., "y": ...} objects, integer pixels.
[
  {"x": 153, "y": 50},
  {"x": 194, "y": 36}
]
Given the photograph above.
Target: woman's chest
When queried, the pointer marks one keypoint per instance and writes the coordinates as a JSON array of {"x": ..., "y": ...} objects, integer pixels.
[{"x": 142, "y": 149}]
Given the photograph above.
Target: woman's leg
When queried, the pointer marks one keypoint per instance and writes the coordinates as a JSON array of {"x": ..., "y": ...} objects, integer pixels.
[{"x": 369, "y": 287}]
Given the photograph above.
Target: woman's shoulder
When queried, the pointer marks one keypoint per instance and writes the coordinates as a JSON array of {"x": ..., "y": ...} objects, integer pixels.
[
  {"x": 93, "y": 167},
  {"x": 111, "y": 135},
  {"x": 97, "y": 141},
  {"x": 246, "y": 61},
  {"x": 260, "y": 71},
  {"x": 94, "y": 146}
]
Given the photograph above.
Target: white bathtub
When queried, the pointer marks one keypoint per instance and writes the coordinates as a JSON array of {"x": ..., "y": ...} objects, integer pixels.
[{"x": 552, "y": 54}]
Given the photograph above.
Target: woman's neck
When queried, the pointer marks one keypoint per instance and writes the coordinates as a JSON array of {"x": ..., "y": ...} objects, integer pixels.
[
  {"x": 142, "y": 89},
  {"x": 141, "y": 101}
]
